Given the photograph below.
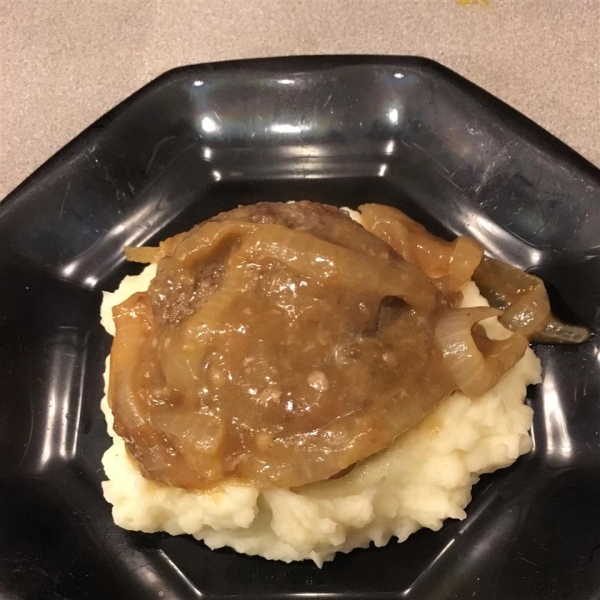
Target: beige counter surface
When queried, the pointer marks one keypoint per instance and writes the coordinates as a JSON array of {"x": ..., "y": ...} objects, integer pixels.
[{"x": 66, "y": 62}]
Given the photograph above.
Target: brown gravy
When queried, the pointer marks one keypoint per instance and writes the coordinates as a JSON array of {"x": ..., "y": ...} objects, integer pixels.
[{"x": 278, "y": 345}]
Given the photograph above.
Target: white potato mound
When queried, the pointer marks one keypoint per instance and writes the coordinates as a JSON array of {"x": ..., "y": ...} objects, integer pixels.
[{"x": 423, "y": 479}]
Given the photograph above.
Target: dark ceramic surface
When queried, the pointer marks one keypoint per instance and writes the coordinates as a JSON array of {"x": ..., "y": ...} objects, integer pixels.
[{"x": 343, "y": 130}]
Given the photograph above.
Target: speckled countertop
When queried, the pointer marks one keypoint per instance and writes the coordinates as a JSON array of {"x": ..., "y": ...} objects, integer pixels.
[{"x": 66, "y": 62}]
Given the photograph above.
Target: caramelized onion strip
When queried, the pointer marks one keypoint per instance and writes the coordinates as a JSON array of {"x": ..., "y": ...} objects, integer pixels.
[
  {"x": 524, "y": 299},
  {"x": 183, "y": 357},
  {"x": 133, "y": 323},
  {"x": 427, "y": 251},
  {"x": 152, "y": 254},
  {"x": 334, "y": 265},
  {"x": 208, "y": 238},
  {"x": 143, "y": 254},
  {"x": 393, "y": 232},
  {"x": 465, "y": 258},
  {"x": 451, "y": 262},
  {"x": 557, "y": 332},
  {"x": 475, "y": 369},
  {"x": 521, "y": 296},
  {"x": 133, "y": 320}
]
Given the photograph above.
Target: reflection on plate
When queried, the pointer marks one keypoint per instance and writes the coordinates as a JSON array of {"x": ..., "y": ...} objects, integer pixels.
[{"x": 343, "y": 130}]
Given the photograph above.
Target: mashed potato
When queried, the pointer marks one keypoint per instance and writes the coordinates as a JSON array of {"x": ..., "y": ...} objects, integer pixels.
[{"x": 423, "y": 479}]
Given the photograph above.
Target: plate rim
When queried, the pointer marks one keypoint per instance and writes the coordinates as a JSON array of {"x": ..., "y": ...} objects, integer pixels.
[{"x": 516, "y": 121}]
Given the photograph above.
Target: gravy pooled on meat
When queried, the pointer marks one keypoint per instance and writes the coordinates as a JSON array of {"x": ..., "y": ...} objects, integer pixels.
[{"x": 277, "y": 345}]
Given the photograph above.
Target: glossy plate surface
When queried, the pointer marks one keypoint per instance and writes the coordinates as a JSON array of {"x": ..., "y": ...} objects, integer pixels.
[{"x": 342, "y": 130}]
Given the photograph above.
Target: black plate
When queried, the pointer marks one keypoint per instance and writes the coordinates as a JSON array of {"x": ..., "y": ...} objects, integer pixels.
[{"x": 342, "y": 130}]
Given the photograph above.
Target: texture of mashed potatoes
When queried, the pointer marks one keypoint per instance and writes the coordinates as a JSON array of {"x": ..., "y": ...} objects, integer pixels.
[{"x": 423, "y": 479}]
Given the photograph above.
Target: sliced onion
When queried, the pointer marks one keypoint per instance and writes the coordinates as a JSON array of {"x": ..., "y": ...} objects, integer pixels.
[
  {"x": 392, "y": 231},
  {"x": 520, "y": 295},
  {"x": 524, "y": 299},
  {"x": 466, "y": 256},
  {"x": 152, "y": 254},
  {"x": 208, "y": 239},
  {"x": 529, "y": 312},
  {"x": 338, "y": 266},
  {"x": 183, "y": 358},
  {"x": 204, "y": 433},
  {"x": 428, "y": 252},
  {"x": 133, "y": 324},
  {"x": 557, "y": 332},
  {"x": 453, "y": 263},
  {"x": 144, "y": 254},
  {"x": 475, "y": 369}
]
